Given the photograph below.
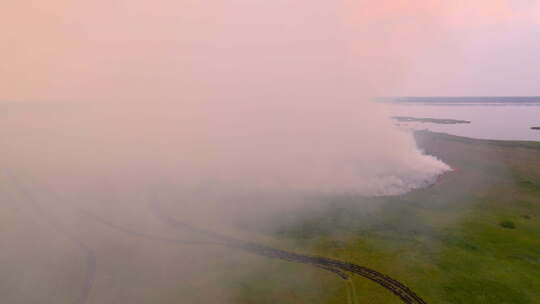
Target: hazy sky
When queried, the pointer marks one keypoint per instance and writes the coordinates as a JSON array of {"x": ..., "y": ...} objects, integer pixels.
[
  {"x": 49, "y": 51},
  {"x": 489, "y": 52}
]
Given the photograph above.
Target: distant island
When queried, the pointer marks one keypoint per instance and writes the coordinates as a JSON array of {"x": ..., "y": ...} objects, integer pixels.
[
  {"x": 535, "y": 128},
  {"x": 464, "y": 99},
  {"x": 430, "y": 120}
]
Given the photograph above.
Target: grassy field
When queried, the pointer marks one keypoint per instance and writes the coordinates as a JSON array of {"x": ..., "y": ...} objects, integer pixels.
[{"x": 474, "y": 237}]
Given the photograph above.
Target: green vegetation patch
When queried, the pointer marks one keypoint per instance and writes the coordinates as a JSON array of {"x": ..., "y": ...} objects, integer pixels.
[
  {"x": 508, "y": 224},
  {"x": 472, "y": 238}
]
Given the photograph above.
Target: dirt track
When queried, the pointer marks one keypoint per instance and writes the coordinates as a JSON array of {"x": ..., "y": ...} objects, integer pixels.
[{"x": 338, "y": 267}]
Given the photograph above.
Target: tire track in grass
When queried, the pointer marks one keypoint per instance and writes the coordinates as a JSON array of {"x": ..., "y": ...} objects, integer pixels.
[
  {"x": 151, "y": 237},
  {"x": 397, "y": 288},
  {"x": 337, "y": 267}
]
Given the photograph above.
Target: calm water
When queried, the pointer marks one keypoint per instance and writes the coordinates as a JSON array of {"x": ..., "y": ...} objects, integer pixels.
[{"x": 504, "y": 121}]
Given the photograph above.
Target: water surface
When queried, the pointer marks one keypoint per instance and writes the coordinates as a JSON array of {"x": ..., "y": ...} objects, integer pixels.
[{"x": 500, "y": 120}]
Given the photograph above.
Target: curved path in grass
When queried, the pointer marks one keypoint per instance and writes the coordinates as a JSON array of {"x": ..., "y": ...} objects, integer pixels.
[{"x": 335, "y": 266}]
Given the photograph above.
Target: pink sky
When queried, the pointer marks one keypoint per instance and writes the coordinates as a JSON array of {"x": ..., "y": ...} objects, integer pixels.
[{"x": 68, "y": 50}]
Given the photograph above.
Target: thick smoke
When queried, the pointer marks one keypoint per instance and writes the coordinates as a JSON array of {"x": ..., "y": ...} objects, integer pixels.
[
  {"x": 237, "y": 94},
  {"x": 242, "y": 94}
]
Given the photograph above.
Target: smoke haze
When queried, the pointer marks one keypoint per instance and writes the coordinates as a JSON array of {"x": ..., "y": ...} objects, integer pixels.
[
  {"x": 212, "y": 108},
  {"x": 240, "y": 94}
]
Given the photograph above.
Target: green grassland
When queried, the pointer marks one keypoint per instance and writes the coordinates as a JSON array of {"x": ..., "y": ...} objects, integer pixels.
[{"x": 474, "y": 237}]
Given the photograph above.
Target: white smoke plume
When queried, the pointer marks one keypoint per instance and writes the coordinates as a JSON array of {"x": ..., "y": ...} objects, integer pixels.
[{"x": 241, "y": 94}]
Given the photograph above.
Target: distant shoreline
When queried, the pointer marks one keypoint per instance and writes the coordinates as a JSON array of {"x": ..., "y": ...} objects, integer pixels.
[
  {"x": 430, "y": 120},
  {"x": 463, "y": 99},
  {"x": 532, "y": 144}
]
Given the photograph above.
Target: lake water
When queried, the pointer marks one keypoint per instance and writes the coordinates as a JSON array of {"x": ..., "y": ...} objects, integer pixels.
[{"x": 505, "y": 121}]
